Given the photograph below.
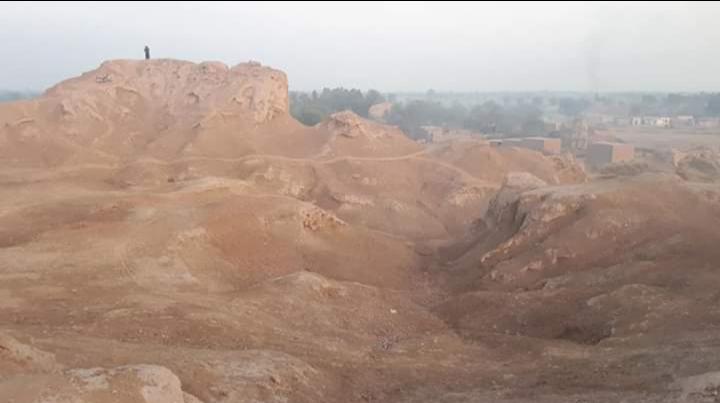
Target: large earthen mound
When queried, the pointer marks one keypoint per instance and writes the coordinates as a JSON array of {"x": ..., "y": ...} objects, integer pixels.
[{"x": 169, "y": 233}]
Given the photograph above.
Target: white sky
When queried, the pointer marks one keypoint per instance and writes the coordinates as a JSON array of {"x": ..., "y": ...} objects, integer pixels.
[{"x": 387, "y": 46}]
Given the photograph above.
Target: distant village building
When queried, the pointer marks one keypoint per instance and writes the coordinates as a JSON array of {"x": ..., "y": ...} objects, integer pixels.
[
  {"x": 557, "y": 122},
  {"x": 545, "y": 145},
  {"x": 603, "y": 153},
  {"x": 512, "y": 142},
  {"x": 663, "y": 121},
  {"x": 441, "y": 134},
  {"x": 652, "y": 121}
]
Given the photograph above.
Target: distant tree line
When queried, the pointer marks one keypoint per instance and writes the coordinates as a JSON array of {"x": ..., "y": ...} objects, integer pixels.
[
  {"x": 571, "y": 106},
  {"x": 6, "y": 96},
  {"x": 702, "y": 104},
  {"x": 311, "y": 108},
  {"x": 489, "y": 117},
  {"x": 508, "y": 115}
]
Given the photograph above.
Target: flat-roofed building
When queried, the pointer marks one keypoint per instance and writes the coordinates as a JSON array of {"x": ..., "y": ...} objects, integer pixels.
[
  {"x": 545, "y": 145},
  {"x": 603, "y": 153}
]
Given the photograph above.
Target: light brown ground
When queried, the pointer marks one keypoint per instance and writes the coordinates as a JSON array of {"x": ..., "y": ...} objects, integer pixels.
[{"x": 157, "y": 246}]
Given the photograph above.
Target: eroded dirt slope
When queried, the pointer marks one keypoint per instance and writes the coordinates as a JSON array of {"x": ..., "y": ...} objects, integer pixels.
[{"x": 168, "y": 233}]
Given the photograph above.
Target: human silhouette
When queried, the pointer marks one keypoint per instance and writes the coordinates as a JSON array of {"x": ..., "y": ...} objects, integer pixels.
[{"x": 147, "y": 53}]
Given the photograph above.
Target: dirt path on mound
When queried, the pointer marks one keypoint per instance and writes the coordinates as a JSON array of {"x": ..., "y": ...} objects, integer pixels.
[{"x": 416, "y": 156}]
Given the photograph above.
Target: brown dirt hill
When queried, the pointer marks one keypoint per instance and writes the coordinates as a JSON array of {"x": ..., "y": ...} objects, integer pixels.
[
  {"x": 492, "y": 164},
  {"x": 354, "y": 136},
  {"x": 544, "y": 229},
  {"x": 378, "y": 112},
  {"x": 611, "y": 282},
  {"x": 185, "y": 91},
  {"x": 150, "y": 123},
  {"x": 250, "y": 258},
  {"x": 611, "y": 262},
  {"x": 165, "y": 109}
]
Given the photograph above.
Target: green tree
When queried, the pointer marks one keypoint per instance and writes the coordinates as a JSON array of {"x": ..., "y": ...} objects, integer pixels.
[
  {"x": 572, "y": 106},
  {"x": 311, "y": 109}
]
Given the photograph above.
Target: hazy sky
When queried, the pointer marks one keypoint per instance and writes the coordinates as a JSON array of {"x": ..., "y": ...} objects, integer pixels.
[{"x": 388, "y": 46}]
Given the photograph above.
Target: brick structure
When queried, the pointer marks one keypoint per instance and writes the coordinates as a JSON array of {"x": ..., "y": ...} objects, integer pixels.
[
  {"x": 603, "y": 153},
  {"x": 511, "y": 142},
  {"x": 543, "y": 144}
]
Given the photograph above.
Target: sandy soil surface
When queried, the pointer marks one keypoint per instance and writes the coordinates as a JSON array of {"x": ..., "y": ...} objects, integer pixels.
[{"x": 168, "y": 233}]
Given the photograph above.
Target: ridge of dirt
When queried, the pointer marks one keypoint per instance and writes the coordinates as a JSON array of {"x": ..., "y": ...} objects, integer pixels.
[{"x": 168, "y": 233}]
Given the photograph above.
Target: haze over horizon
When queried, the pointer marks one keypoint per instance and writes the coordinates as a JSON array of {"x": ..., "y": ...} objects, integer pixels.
[{"x": 392, "y": 47}]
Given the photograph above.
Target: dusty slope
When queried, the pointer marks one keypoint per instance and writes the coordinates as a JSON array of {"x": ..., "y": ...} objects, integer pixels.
[
  {"x": 163, "y": 109},
  {"x": 613, "y": 280},
  {"x": 168, "y": 232}
]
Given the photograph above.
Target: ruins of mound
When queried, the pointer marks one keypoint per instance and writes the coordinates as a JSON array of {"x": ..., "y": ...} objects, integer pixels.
[
  {"x": 166, "y": 109},
  {"x": 168, "y": 230}
]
